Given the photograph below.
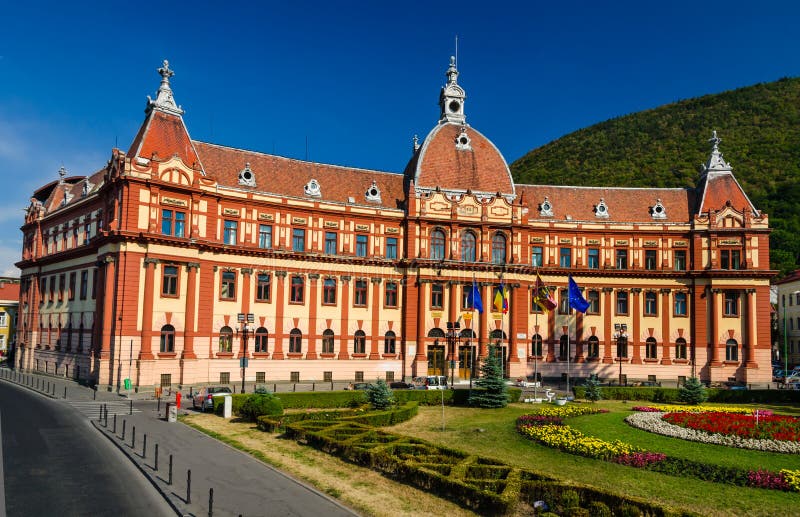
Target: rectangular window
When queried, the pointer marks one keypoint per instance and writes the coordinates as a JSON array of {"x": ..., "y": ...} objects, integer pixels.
[
  {"x": 361, "y": 245},
  {"x": 298, "y": 285},
  {"x": 229, "y": 235},
  {"x": 84, "y": 289},
  {"x": 593, "y": 257},
  {"x": 180, "y": 224},
  {"x": 331, "y": 247},
  {"x": 166, "y": 380},
  {"x": 166, "y": 222},
  {"x": 329, "y": 292},
  {"x": 437, "y": 296},
  {"x": 593, "y": 297},
  {"x": 360, "y": 376},
  {"x": 391, "y": 294},
  {"x": 680, "y": 304},
  {"x": 650, "y": 304},
  {"x": 294, "y": 376},
  {"x": 391, "y": 247},
  {"x": 736, "y": 259},
  {"x": 622, "y": 259},
  {"x": 534, "y": 306},
  {"x": 173, "y": 222},
  {"x": 265, "y": 236},
  {"x": 263, "y": 287},
  {"x": 71, "y": 290},
  {"x": 261, "y": 377},
  {"x": 731, "y": 303},
  {"x": 224, "y": 377},
  {"x": 536, "y": 256},
  {"x": 3, "y": 320},
  {"x": 327, "y": 376},
  {"x": 169, "y": 281},
  {"x": 622, "y": 302},
  {"x": 75, "y": 235},
  {"x": 650, "y": 259},
  {"x": 565, "y": 257},
  {"x": 227, "y": 289},
  {"x": 87, "y": 230},
  {"x": 62, "y": 280},
  {"x": 679, "y": 259},
  {"x": 360, "y": 298},
  {"x": 298, "y": 239}
]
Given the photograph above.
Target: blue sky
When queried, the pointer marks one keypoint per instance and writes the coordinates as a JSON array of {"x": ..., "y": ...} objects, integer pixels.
[{"x": 355, "y": 79}]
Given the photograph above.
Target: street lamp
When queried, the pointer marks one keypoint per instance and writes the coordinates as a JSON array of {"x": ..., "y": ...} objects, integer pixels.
[
  {"x": 622, "y": 340},
  {"x": 243, "y": 334},
  {"x": 453, "y": 338}
]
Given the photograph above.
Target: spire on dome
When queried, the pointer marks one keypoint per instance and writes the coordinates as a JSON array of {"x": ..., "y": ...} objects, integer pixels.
[
  {"x": 451, "y": 99},
  {"x": 715, "y": 162},
  {"x": 61, "y": 173},
  {"x": 164, "y": 101}
]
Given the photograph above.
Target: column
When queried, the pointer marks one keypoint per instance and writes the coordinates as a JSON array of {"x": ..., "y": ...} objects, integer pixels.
[
  {"x": 374, "y": 352},
  {"x": 579, "y": 358},
  {"x": 247, "y": 275},
  {"x": 637, "y": 322},
  {"x": 551, "y": 336},
  {"x": 750, "y": 309},
  {"x": 518, "y": 302},
  {"x": 665, "y": 331},
  {"x": 191, "y": 311},
  {"x": 452, "y": 353},
  {"x": 314, "y": 301},
  {"x": 280, "y": 300},
  {"x": 343, "y": 322},
  {"x": 108, "y": 307},
  {"x": 714, "y": 302},
  {"x": 483, "y": 333},
  {"x": 147, "y": 309},
  {"x": 608, "y": 327},
  {"x": 421, "y": 352}
]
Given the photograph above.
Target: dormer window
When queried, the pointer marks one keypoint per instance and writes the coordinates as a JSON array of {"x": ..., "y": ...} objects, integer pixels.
[
  {"x": 312, "y": 188},
  {"x": 462, "y": 140},
  {"x": 546, "y": 208},
  {"x": 373, "y": 194},
  {"x": 246, "y": 176},
  {"x": 658, "y": 211},
  {"x": 601, "y": 210}
]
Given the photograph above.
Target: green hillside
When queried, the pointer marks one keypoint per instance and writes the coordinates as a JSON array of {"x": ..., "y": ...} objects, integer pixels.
[{"x": 664, "y": 147}]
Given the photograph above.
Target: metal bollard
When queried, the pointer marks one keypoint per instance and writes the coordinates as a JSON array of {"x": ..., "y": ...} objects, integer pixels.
[
  {"x": 54, "y": 389},
  {"x": 159, "y": 406},
  {"x": 94, "y": 394},
  {"x": 131, "y": 407},
  {"x": 156, "y": 464},
  {"x": 65, "y": 392},
  {"x": 170, "y": 470},
  {"x": 115, "y": 423},
  {"x": 133, "y": 438},
  {"x": 313, "y": 386},
  {"x": 123, "y": 429},
  {"x": 37, "y": 383},
  {"x": 144, "y": 447},
  {"x": 189, "y": 486},
  {"x": 210, "y": 502},
  {"x": 100, "y": 418}
]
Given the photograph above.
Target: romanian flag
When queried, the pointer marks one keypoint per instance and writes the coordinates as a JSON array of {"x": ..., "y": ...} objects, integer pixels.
[
  {"x": 542, "y": 296},
  {"x": 501, "y": 299}
]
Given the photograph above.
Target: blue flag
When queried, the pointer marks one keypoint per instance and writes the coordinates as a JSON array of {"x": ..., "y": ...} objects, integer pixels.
[
  {"x": 576, "y": 299},
  {"x": 474, "y": 298}
]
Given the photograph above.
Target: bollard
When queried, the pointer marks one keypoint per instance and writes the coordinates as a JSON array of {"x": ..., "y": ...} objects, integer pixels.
[
  {"x": 100, "y": 418},
  {"x": 115, "y": 423},
  {"x": 37, "y": 383},
  {"x": 294, "y": 387},
  {"x": 131, "y": 407},
  {"x": 65, "y": 392},
  {"x": 274, "y": 388},
  {"x": 123, "y": 429},
  {"x": 133, "y": 438},
  {"x": 156, "y": 464},
  {"x": 54, "y": 389},
  {"x": 94, "y": 394},
  {"x": 210, "y": 502},
  {"x": 313, "y": 386},
  {"x": 189, "y": 486},
  {"x": 170, "y": 470},
  {"x": 144, "y": 447},
  {"x": 159, "y": 406}
]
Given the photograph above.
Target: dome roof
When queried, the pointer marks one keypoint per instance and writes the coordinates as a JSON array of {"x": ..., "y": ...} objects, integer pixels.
[{"x": 458, "y": 157}]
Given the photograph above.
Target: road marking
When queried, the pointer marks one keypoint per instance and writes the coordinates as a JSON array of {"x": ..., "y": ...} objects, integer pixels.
[{"x": 91, "y": 408}]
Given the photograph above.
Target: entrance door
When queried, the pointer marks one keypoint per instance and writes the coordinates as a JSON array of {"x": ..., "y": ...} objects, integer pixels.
[
  {"x": 465, "y": 358},
  {"x": 436, "y": 361}
]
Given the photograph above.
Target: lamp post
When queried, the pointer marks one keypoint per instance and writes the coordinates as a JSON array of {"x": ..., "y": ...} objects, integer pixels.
[
  {"x": 243, "y": 334},
  {"x": 453, "y": 338},
  {"x": 619, "y": 333}
]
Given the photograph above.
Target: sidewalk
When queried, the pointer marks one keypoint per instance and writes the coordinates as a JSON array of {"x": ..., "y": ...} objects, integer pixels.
[{"x": 242, "y": 485}]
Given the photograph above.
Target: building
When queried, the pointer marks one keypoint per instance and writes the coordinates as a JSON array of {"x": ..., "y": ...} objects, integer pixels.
[
  {"x": 787, "y": 351},
  {"x": 178, "y": 260},
  {"x": 9, "y": 303}
]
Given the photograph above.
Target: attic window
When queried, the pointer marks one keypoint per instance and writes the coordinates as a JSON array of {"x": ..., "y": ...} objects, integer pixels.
[
  {"x": 658, "y": 211},
  {"x": 373, "y": 194},
  {"x": 246, "y": 176},
  {"x": 546, "y": 208},
  {"x": 312, "y": 188},
  {"x": 463, "y": 141},
  {"x": 601, "y": 210}
]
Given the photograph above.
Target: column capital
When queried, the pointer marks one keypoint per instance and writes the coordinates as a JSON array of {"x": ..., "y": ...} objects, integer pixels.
[
  {"x": 346, "y": 278},
  {"x": 247, "y": 271},
  {"x": 313, "y": 276},
  {"x": 191, "y": 265},
  {"x": 281, "y": 274},
  {"x": 376, "y": 280},
  {"x": 636, "y": 290},
  {"x": 150, "y": 260}
]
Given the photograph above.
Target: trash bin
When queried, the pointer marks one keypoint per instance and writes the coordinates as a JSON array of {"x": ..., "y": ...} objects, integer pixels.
[{"x": 172, "y": 412}]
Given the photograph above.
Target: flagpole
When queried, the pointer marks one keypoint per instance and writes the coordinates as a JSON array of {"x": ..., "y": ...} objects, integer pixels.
[
  {"x": 536, "y": 351},
  {"x": 569, "y": 315}
]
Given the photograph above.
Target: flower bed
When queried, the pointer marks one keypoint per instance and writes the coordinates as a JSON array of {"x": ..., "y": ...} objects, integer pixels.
[
  {"x": 674, "y": 408},
  {"x": 772, "y": 427}
]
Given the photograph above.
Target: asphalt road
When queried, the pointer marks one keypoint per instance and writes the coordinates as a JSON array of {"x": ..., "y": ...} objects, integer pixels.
[{"x": 52, "y": 462}]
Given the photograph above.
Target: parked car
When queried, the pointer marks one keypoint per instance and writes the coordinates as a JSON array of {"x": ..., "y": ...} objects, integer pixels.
[
  {"x": 204, "y": 399},
  {"x": 430, "y": 382},
  {"x": 400, "y": 385},
  {"x": 358, "y": 386}
]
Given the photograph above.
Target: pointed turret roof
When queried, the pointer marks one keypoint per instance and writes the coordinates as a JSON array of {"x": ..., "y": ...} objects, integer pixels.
[{"x": 718, "y": 187}]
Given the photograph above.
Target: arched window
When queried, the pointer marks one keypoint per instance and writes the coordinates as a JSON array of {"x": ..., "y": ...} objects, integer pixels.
[
  {"x": 262, "y": 337},
  {"x": 731, "y": 350},
  {"x": 360, "y": 342},
  {"x": 167, "y": 339},
  {"x": 497, "y": 335},
  {"x": 225, "y": 339},
  {"x": 593, "y": 347},
  {"x": 536, "y": 345},
  {"x": 389, "y": 342},
  {"x": 680, "y": 348},
  {"x": 437, "y": 245},
  {"x": 499, "y": 248},
  {"x": 327, "y": 341},
  {"x": 468, "y": 244},
  {"x": 295, "y": 342},
  {"x": 436, "y": 332},
  {"x": 651, "y": 348},
  {"x": 563, "y": 348}
]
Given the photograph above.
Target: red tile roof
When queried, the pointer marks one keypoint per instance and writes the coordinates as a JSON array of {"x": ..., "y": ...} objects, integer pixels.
[
  {"x": 164, "y": 135},
  {"x": 721, "y": 189},
  {"x": 440, "y": 164},
  {"x": 9, "y": 289},
  {"x": 624, "y": 204},
  {"x": 287, "y": 176}
]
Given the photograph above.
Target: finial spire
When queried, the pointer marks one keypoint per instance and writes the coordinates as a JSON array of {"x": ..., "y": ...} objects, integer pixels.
[
  {"x": 164, "y": 101},
  {"x": 715, "y": 161},
  {"x": 62, "y": 172},
  {"x": 451, "y": 99},
  {"x": 416, "y": 144}
]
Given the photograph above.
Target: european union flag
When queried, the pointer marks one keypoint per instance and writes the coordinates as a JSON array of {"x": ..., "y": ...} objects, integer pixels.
[
  {"x": 576, "y": 299},
  {"x": 474, "y": 298}
]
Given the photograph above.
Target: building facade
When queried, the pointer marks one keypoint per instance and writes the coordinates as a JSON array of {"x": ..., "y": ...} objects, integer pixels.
[
  {"x": 179, "y": 260},
  {"x": 787, "y": 351},
  {"x": 9, "y": 305}
]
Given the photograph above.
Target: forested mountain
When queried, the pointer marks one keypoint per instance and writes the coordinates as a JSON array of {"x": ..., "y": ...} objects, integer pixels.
[{"x": 664, "y": 147}]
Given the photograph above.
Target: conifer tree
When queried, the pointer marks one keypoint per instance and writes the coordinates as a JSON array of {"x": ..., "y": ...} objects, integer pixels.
[
  {"x": 592, "y": 386},
  {"x": 380, "y": 395},
  {"x": 692, "y": 392},
  {"x": 492, "y": 390}
]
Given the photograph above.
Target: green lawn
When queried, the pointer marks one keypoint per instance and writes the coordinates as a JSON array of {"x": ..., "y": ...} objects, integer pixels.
[{"x": 491, "y": 433}]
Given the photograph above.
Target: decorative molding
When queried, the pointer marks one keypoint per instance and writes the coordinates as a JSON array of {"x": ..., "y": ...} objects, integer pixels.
[
  {"x": 392, "y": 231},
  {"x": 298, "y": 220},
  {"x": 589, "y": 242},
  {"x": 191, "y": 265},
  {"x": 247, "y": 271},
  {"x": 313, "y": 276},
  {"x": 730, "y": 242},
  {"x": 332, "y": 224},
  {"x": 636, "y": 290},
  {"x": 312, "y": 188},
  {"x": 620, "y": 242},
  {"x": 230, "y": 211},
  {"x": 650, "y": 244},
  {"x": 537, "y": 240},
  {"x": 266, "y": 217},
  {"x": 679, "y": 244},
  {"x": 565, "y": 240},
  {"x": 281, "y": 274},
  {"x": 346, "y": 278},
  {"x": 376, "y": 280},
  {"x": 246, "y": 176},
  {"x": 150, "y": 260},
  {"x": 362, "y": 227},
  {"x": 665, "y": 290}
]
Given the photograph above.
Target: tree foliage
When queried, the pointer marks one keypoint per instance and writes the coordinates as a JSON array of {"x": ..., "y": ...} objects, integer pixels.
[
  {"x": 380, "y": 395},
  {"x": 663, "y": 147},
  {"x": 592, "y": 386},
  {"x": 692, "y": 392},
  {"x": 493, "y": 391}
]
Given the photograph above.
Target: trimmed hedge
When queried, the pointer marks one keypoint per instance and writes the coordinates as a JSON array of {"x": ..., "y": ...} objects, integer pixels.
[
  {"x": 375, "y": 418},
  {"x": 670, "y": 395},
  {"x": 343, "y": 399}
]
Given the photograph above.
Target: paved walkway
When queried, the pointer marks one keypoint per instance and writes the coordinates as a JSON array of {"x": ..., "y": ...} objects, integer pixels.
[{"x": 241, "y": 485}]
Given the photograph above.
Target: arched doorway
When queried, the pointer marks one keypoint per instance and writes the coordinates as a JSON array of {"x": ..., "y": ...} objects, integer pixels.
[
  {"x": 466, "y": 354},
  {"x": 436, "y": 358}
]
